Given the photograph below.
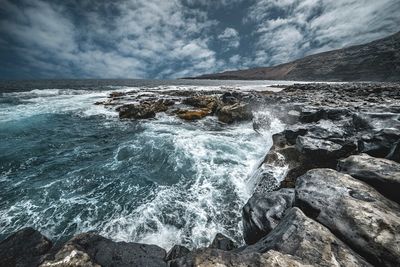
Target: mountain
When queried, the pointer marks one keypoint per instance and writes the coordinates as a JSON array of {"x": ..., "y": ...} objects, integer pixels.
[{"x": 375, "y": 61}]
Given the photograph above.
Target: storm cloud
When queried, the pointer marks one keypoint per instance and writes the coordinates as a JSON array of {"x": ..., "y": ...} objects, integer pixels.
[{"x": 176, "y": 38}]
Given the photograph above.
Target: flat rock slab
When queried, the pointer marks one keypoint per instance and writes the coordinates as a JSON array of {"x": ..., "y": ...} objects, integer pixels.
[
  {"x": 308, "y": 240},
  {"x": 382, "y": 174},
  {"x": 263, "y": 212},
  {"x": 354, "y": 211}
]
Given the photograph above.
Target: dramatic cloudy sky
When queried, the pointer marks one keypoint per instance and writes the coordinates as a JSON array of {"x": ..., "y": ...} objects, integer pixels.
[{"x": 175, "y": 38}]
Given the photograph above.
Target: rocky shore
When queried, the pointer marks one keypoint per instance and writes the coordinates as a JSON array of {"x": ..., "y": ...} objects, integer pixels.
[{"x": 336, "y": 204}]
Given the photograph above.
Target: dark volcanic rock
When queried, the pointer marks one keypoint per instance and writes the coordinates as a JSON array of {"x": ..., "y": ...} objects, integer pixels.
[
  {"x": 354, "y": 211},
  {"x": 26, "y": 247},
  {"x": 215, "y": 257},
  {"x": 222, "y": 242},
  {"x": 379, "y": 144},
  {"x": 235, "y": 112},
  {"x": 177, "y": 251},
  {"x": 144, "y": 110},
  {"x": 89, "y": 249},
  {"x": 263, "y": 212},
  {"x": 382, "y": 174},
  {"x": 300, "y": 236},
  {"x": 201, "y": 101}
]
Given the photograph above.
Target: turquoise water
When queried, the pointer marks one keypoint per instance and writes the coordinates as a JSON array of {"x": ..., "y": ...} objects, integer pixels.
[{"x": 68, "y": 166}]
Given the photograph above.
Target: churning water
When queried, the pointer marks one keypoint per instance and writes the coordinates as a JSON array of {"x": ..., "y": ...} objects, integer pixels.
[{"x": 68, "y": 166}]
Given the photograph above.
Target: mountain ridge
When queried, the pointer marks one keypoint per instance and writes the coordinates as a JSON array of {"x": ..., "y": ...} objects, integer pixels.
[{"x": 378, "y": 60}]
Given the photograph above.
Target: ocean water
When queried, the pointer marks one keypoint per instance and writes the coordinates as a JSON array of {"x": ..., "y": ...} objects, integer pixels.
[{"x": 69, "y": 166}]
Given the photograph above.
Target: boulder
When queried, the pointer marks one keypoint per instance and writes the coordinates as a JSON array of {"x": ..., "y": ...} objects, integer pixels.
[
  {"x": 27, "y": 247},
  {"x": 382, "y": 174},
  {"x": 222, "y": 242},
  {"x": 144, "y": 110},
  {"x": 215, "y": 257},
  {"x": 394, "y": 153},
  {"x": 353, "y": 211},
  {"x": 379, "y": 144},
  {"x": 90, "y": 249},
  {"x": 176, "y": 251},
  {"x": 201, "y": 101},
  {"x": 191, "y": 115},
  {"x": 302, "y": 237},
  {"x": 263, "y": 212},
  {"x": 235, "y": 112}
]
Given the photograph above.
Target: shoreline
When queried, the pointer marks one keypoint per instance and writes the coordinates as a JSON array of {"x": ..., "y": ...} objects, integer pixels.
[{"x": 341, "y": 146}]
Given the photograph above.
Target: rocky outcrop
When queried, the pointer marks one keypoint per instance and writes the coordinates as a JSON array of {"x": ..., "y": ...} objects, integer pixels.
[
  {"x": 222, "y": 242},
  {"x": 27, "y": 247},
  {"x": 144, "y": 110},
  {"x": 234, "y": 113},
  {"x": 263, "y": 212},
  {"x": 177, "y": 251},
  {"x": 382, "y": 174},
  {"x": 191, "y": 115},
  {"x": 300, "y": 236},
  {"x": 354, "y": 211}
]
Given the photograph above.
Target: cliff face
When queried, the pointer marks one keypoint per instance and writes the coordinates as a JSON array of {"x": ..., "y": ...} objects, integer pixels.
[{"x": 375, "y": 61}]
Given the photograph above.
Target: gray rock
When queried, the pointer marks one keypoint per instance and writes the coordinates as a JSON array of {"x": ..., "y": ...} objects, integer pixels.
[
  {"x": 26, "y": 247},
  {"x": 177, "y": 251},
  {"x": 382, "y": 174},
  {"x": 89, "y": 249},
  {"x": 353, "y": 211},
  {"x": 263, "y": 212},
  {"x": 215, "y": 257},
  {"x": 379, "y": 144},
  {"x": 302, "y": 237},
  {"x": 222, "y": 242}
]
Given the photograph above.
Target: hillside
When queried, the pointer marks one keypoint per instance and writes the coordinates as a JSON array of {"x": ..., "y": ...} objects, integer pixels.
[{"x": 375, "y": 61}]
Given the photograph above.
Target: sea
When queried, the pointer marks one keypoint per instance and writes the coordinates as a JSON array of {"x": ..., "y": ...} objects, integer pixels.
[{"x": 68, "y": 166}]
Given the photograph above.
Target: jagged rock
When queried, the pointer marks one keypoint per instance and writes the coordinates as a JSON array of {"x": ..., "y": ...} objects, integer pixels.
[
  {"x": 300, "y": 236},
  {"x": 89, "y": 249},
  {"x": 323, "y": 153},
  {"x": 382, "y": 174},
  {"x": 355, "y": 212},
  {"x": 262, "y": 213},
  {"x": 379, "y": 144},
  {"x": 222, "y": 242},
  {"x": 117, "y": 94},
  {"x": 215, "y": 257},
  {"x": 144, "y": 110},
  {"x": 26, "y": 247},
  {"x": 177, "y": 251},
  {"x": 394, "y": 153},
  {"x": 191, "y": 115},
  {"x": 235, "y": 112}
]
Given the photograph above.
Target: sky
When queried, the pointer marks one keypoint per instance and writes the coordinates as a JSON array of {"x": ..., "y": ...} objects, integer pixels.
[{"x": 167, "y": 39}]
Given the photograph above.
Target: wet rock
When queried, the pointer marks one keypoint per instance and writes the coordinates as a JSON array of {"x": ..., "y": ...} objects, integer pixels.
[
  {"x": 263, "y": 212},
  {"x": 117, "y": 94},
  {"x": 215, "y": 257},
  {"x": 201, "y": 101},
  {"x": 27, "y": 247},
  {"x": 379, "y": 144},
  {"x": 89, "y": 249},
  {"x": 353, "y": 211},
  {"x": 302, "y": 237},
  {"x": 382, "y": 174},
  {"x": 191, "y": 115},
  {"x": 394, "y": 153},
  {"x": 230, "y": 98},
  {"x": 176, "y": 251},
  {"x": 222, "y": 242},
  {"x": 234, "y": 113},
  {"x": 144, "y": 110}
]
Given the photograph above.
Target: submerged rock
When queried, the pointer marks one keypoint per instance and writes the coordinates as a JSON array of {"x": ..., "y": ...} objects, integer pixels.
[
  {"x": 222, "y": 242},
  {"x": 302, "y": 237},
  {"x": 89, "y": 249},
  {"x": 27, "y": 247},
  {"x": 263, "y": 212},
  {"x": 382, "y": 174},
  {"x": 354, "y": 211}
]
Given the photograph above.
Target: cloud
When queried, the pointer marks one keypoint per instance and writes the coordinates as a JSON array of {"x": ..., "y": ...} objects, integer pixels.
[{"x": 230, "y": 37}]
